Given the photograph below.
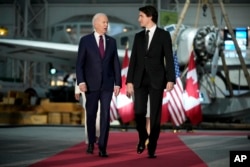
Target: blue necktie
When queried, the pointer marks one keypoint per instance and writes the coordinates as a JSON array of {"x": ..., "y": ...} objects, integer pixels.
[{"x": 101, "y": 46}]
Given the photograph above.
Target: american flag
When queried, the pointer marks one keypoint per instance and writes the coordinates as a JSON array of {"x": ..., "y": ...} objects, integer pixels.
[
  {"x": 175, "y": 98},
  {"x": 113, "y": 109}
]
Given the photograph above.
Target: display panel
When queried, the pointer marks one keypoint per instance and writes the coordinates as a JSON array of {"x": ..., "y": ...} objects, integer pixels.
[{"x": 241, "y": 35}]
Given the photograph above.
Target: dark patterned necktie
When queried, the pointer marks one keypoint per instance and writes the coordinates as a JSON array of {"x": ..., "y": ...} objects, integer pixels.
[
  {"x": 101, "y": 46},
  {"x": 146, "y": 40}
]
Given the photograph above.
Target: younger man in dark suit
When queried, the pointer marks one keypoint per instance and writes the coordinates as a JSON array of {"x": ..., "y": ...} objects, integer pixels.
[{"x": 151, "y": 70}]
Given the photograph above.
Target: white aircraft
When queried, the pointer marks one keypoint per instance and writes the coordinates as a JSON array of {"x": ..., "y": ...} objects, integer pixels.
[
  {"x": 203, "y": 40},
  {"x": 19, "y": 57},
  {"x": 32, "y": 55},
  {"x": 59, "y": 54}
]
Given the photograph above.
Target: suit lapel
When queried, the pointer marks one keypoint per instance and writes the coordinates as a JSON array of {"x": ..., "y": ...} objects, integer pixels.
[
  {"x": 154, "y": 39},
  {"x": 95, "y": 45},
  {"x": 142, "y": 38},
  {"x": 94, "y": 42}
]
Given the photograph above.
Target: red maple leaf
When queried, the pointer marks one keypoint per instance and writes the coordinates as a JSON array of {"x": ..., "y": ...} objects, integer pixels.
[{"x": 192, "y": 88}]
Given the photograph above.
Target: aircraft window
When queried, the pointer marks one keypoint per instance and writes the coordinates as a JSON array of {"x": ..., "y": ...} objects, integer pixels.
[
  {"x": 72, "y": 33},
  {"x": 86, "y": 29},
  {"x": 126, "y": 29},
  {"x": 59, "y": 28},
  {"x": 56, "y": 28}
]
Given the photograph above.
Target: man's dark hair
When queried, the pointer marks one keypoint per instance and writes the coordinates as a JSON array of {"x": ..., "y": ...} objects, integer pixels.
[{"x": 150, "y": 11}]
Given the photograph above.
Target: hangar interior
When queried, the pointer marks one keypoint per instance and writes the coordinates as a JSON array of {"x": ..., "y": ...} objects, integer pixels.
[{"x": 27, "y": 68}]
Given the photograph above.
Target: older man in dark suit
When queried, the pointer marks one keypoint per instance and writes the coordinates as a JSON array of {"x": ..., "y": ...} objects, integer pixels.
[
  {"x": 151, "y": 70},
  {"x": 98, "y": 74}
]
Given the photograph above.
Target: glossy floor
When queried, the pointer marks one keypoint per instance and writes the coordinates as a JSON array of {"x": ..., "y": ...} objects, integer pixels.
[{"x": 24, "y": 145}]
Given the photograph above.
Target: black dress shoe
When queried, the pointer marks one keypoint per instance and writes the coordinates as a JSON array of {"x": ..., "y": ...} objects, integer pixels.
[
  {"x": 140, "y": 147},
  {"x": 103, "y": 153},
  {"x": 151, "y": 155},
  {"x": 90, "y": 149}
]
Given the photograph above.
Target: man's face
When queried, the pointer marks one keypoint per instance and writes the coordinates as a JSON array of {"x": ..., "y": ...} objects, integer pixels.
[
  {"x": 101, "y": 24},
  {"x": 143, "y": 19}
]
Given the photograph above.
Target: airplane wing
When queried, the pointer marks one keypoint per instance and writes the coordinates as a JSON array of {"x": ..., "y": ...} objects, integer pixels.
[{"x": 59, "y": 54}]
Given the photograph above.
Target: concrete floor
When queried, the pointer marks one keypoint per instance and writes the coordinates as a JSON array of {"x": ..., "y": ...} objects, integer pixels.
[{"x": 21, "y": 146}]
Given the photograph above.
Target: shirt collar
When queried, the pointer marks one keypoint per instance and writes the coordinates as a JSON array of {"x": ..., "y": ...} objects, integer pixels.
[
  {"x": 152, "y": 29},
  {"x": 97, "y": 35}
]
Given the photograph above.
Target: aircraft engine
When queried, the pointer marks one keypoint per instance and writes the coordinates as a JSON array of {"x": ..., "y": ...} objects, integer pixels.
[
  {"x": 205, "y": 42},
  {"x": 202, "y": 40}
]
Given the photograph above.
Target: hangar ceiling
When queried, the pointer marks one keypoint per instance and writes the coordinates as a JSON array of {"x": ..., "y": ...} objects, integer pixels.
[{"x": 118, "y": 2}]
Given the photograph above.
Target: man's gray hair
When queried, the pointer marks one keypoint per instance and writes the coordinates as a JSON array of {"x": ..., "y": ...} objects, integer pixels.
[{"x": 96, "y": 16}]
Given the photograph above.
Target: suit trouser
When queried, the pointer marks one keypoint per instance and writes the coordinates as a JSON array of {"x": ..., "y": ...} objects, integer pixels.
[
  {"x": 141, "y": 98},
  {"x": 92, "y": 100},
  {"x": 83, "y": 100}
]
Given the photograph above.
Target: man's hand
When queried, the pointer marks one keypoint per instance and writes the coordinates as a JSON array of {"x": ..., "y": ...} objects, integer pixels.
[
  {"x": 130, "y": 90},
  {"x": 169, "y": 86},
  {"x": 83, "y": 87},
  {"x": 116, "y": 90}
]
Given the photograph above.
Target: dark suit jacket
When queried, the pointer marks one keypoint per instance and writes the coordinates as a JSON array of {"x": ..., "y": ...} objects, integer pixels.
[
  {"x": 160, "y": 51},
  {"x": 98, "y": 73}
]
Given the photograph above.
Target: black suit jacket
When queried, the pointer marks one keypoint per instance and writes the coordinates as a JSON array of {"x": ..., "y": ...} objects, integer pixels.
[{"x": 157, "y": 61}]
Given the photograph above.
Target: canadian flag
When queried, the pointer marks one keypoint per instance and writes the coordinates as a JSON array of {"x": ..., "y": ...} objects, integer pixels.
[
  {"x": 191, "y": 100},
  {"x": 165, "y": 116},
  {"x": 124, "y": 104}
]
